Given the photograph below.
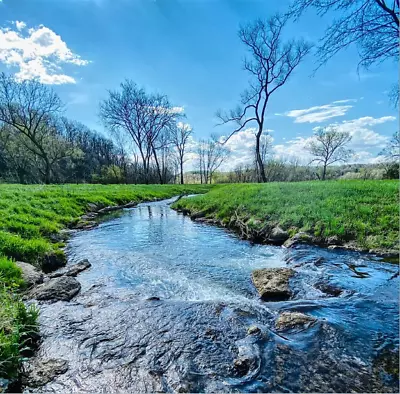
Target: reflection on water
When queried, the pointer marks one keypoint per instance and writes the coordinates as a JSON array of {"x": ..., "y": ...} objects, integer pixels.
[{"x": 115, "y": 338}]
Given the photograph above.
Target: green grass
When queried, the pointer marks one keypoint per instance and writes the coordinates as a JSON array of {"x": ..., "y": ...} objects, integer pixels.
[
  {"x": 29, "y": 218},
  {"x": 365, "y": 212}
]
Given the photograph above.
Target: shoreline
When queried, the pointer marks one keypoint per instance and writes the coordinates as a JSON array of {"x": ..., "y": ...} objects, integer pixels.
[{"x": 262, "y": 237}]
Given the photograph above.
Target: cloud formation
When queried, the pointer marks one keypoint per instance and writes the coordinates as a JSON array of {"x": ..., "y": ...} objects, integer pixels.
[
  {"x": 364, "y": 139},
  {"x": 37, "y": 53},
  {"x": 320, "y": 113}
]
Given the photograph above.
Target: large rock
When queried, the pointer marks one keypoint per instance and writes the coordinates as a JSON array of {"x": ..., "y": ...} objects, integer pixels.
[
  {"x": 41, "y": 372},
  {"x": 294, "y": 320},
  {"x": 273, "y": 283},
  {"x": 73, "y": 270},
  {"x": 278, "y": 236},
  {"x": 57, "y": 289},
  {"x": 52, "y": 262},
  {"x": 300, "y": 238},
  {"x": 30, "y": 274}
]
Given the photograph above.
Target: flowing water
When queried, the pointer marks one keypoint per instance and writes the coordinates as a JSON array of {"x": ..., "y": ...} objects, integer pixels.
[{"x": 167, "y": 305}]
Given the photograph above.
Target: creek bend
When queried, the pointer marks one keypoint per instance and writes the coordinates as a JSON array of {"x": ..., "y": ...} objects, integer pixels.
[{"x": 168, "y": 302}]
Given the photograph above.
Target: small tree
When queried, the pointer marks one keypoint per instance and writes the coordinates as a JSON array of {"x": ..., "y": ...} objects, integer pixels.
[
  {"x": 392, "y": 150},
  {"x": 180, "y": 134},
  {"x": 271, "y": 64},
  {"x": 211, "y": 154},
  {"x": 392, "y": 156},
  {"x": 328, "y": 147}
]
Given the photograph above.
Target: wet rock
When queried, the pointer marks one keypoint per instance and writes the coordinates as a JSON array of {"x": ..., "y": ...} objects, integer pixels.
[
  {"x": 52, "y": 262},
  {"x": 329, "y": 289},
  {"x": 197, "y": 215},
  {"x": 333, "y": 240},
  {"x": 89, "y": 216},
  {"x": 74, "y": 270},
  {"x": 253, "y": 330},
  {"x": 93, "y": 207},
  {"x": 247, "y": 362},
  {"x": 278, "y": 236},
  {"x": 40, "y": 372},
  {"x": 85, "y": 224},
  {"x": 57, "y": 289},
  {"x": 291, "y": 320},
  {"x": 153, "y": 299},
  {"x": 30, "y": 274},
  {"x": 298, "y": 238},
  {"x": 273, "y": 283}
]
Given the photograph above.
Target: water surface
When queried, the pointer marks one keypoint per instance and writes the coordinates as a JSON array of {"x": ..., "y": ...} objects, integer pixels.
[{"x": 168, "y": 302}]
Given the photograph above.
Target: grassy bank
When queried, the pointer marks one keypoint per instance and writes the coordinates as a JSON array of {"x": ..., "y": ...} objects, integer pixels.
[
  {"x": 365, "y": 213},
  {"x": 30, "y": 218}
]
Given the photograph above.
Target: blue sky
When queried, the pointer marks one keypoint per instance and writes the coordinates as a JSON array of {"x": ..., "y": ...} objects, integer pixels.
[{"x": 189, "y": 50}]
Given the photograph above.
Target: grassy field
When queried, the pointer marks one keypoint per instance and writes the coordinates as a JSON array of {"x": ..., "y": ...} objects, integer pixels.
[
  {"x": 364, "y": 212},
  {"x": 30, "y": 216}
]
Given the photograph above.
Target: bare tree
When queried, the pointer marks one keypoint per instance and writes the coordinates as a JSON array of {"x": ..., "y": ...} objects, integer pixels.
[
  {"x": 328, "y": 147},
  {"x": 140, "y": 115},
  {"x": 271, "y": 64},
  {"x": 30, "y": 108},
  {"x": 373, "y": 25},
  {"x": 392, "y": 150},
  {"x": 211, "y": 154},
  {"x": 180, "y": 134}
]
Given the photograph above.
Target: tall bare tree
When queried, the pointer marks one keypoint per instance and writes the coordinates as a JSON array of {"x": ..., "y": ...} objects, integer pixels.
[
  {"x": 328, "y": 147},
  {"x": 270, "y": 65},
  {"x": 30, "y": 109},
  {"x": 180, "y": 134}
]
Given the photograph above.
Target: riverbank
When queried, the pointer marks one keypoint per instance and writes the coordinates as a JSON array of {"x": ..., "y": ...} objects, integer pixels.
[
  {"x": 356, "y": 215},
  {"x": 32, "y": 223}
]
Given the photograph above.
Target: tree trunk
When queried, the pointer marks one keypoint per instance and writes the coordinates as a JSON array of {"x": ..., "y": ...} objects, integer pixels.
[
  {"x": 260, "y": 163},
  {"x": 324, "y": 172},
  {"x": 47, "y": 177},
  {"x": 181, "y": 172}
]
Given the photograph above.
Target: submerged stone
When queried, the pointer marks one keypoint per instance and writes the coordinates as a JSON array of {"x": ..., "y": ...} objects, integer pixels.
[
  {"x": 292, "y": 320},
  {"x": 40, "y": 372},
  {"x": 272, "y": 284}
]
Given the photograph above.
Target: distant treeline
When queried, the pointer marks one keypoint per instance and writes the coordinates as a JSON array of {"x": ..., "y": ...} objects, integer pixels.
[{"x": 281, "y": 171}]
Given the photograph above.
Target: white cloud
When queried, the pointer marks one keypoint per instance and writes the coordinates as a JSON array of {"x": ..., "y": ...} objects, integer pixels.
[
  {"x": 38, "y": 53},
  {"x": 320, "y": 113},
  {"x": 362, "y": 134},
  {"x": 364, "y": 141},
  {"x": 20, "y": 25}
]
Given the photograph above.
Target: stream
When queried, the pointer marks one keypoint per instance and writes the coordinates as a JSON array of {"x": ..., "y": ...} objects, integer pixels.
[{"x": 167, "y": 304}]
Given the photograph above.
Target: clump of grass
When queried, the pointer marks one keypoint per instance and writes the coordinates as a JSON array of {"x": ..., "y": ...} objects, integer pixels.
[
  {"x": 365, "y": 212},
  {"x": 18, "y": 328}
]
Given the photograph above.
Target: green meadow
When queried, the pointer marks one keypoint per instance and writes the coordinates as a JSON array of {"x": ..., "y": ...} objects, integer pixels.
[
  {"x": 364, "y": 212},
  {"x": 30, "y": 217}
]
